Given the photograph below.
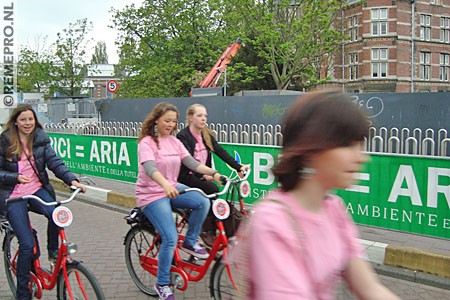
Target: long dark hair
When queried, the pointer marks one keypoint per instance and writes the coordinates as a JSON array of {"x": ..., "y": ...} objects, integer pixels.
[
  {"x": 15, "y": 146},
  {"x": 316, "y": 122},
  {"x": 149, "y": 125}
]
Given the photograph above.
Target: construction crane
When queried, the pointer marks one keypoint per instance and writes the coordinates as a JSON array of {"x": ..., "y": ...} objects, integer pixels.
[{"x": 218, "y": 69}]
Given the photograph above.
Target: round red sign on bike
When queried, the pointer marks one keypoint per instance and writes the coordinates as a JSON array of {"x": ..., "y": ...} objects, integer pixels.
[
  {"x": 244, "y": 189},
  {"x": 62, "y": 216},
  {"x": 221, "y": 209}
]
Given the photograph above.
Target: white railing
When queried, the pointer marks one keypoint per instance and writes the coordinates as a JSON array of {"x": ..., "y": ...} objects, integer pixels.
[{"x": 382, "y": 140}]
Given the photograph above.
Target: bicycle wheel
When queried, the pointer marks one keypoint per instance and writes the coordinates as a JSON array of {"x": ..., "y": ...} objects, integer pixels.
[
  {"x": 138, "y": 242},
  {"x": 221, "y": 287},
  {"x": 81, "y": 283},
  {"x": 10, "y": 252}
]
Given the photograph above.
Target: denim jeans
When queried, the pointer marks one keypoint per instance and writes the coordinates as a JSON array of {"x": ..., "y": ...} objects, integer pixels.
[
  {"x": 20, "y": 222},
  {"x": 159, "y": 213}
]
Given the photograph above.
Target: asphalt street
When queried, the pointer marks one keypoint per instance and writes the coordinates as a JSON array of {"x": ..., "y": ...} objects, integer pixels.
[{"x": 99, "y": 234}]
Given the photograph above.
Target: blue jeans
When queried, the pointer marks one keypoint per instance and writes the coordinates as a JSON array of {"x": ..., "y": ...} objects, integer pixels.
[
  {"x": 159, "y": 213},
  {"x": 20, "y": 222}
]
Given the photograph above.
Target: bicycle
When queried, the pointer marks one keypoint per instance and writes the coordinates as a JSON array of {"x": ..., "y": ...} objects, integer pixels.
[
  {"x": 71, "y": 277},
  {"x": 142, "y": 245}
]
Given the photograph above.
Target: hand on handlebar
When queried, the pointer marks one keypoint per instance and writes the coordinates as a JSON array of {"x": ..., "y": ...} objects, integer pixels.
[
  {"x": 79, "y": 185},
  {"x": 243, "y": 170}
]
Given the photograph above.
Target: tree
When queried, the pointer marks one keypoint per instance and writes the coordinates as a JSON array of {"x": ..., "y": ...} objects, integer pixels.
[
  {"x": 70, "y": 51},
  {"x": 165, "y": 44},
  {"x": 297, "y": 39},
  {"x": 100, "y": 56},
  {"x": 35, "y": 67}
]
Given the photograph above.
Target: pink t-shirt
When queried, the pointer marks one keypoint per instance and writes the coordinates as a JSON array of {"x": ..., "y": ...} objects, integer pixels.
[
  {"x": 167, "y": 159},
  {"x": 283, "y": 267},
  {"x": 200, "y": 151},
  {"x": 23, "y": 189}
]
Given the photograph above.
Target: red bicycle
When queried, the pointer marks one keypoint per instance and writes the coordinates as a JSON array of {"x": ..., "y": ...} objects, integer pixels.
[
  {"x": 71, "y": 277},
  {"x": 142, "y": 244}
]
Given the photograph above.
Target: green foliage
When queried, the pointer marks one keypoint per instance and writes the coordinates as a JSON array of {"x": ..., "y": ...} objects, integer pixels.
[
  {"x": 34, "y": 69},
  {"x": 100, "y": 55},
  {"x": 295, "y": 38},
  {"x": 69, "y": 70},
  {"x": 165, "y": 45}
]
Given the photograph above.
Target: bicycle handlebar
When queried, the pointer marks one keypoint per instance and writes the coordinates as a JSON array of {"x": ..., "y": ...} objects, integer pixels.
[
  {"x": 227, "y": 181},
  {"x": 27, "y": 197}
]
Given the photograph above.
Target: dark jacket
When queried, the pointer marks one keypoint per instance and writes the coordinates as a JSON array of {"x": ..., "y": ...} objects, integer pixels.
[
  {"x": 44, "y": 157},
  {"x": 189, "y": 141}
]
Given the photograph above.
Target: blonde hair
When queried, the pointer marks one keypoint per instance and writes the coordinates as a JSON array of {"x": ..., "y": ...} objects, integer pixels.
[{"x": 206, "y": 132}]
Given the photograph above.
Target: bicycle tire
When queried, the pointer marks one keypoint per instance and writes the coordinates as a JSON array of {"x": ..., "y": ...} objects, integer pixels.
[
  {"x": 139, "y": 241},
  {"x": 82, "y": 282},
  {"x": 220, "y": 285},
  {"x": 10, "y": 251}
]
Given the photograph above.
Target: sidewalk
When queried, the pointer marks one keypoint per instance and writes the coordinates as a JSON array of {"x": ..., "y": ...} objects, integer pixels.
[{"x": 402, "y": 255}]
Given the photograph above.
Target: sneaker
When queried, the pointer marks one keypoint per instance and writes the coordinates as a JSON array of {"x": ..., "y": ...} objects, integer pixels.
[
  {"x": 195, "y": 250},
  {"x": 164, "y": 292},
  {"x": 52, "y": 255}
]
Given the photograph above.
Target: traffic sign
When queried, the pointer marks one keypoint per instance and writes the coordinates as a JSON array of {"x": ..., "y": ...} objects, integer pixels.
[{"x": 112, "y": 86}]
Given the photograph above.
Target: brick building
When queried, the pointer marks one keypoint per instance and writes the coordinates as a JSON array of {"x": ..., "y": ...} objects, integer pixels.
[{"x": 383, "y": 34}]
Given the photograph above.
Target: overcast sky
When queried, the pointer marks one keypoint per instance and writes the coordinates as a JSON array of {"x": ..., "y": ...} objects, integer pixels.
[{"x": 41, "y": 18}]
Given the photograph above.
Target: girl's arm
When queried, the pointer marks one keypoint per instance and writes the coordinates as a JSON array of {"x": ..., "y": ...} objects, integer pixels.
[
  {"x": 364, "y": 283},
  {"x": 152, "y": 172},
  {"x": 196, "y": 166}
]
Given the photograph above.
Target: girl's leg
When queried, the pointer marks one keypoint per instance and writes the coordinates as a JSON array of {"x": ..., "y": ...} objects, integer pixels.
[
  {"x": 47, "y": 211},
  {"x": 160, "y": 215},
  {"x": 200, "y": 207},
  {"x": 20, "y": 222}
]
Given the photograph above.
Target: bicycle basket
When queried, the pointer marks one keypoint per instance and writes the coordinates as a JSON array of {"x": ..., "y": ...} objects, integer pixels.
[{"x": 231, "y": 224}]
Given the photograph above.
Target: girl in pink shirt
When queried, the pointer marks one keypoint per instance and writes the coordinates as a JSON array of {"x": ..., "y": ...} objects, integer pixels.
[
  {"x": 25, "y": 156},
  {"x": 300, "y": 240},
  {"x": 160, "y": 156}
]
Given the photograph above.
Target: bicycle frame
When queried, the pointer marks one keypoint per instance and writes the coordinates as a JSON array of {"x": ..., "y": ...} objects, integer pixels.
[
  {"x": 42, "y": 278},
  {"x": 187, "y": 270}
]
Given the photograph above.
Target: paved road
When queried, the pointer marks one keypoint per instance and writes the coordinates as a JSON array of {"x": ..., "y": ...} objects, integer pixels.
[{"x": 99, "y": 234}]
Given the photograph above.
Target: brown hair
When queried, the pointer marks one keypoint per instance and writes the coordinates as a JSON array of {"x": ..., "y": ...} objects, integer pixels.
[
  {"x": 15, "y": 146},
  {"x": 149, "y": 125},
  {"x": 206, "y": 132},
  {"x": 317, "y": 122}
]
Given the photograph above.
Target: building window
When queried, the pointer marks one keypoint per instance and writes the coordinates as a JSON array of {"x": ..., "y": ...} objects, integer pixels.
[
  {"x": 444, "y": 66},
  {"x": 379, "y": 62},
  {"x": 353, "y": 66},
  {"x": 425, "y": 27},
  {"x": 425, "y": 65},
  {"x": 353, "y": 28},
  {"x": 436, "y": 2},
  {"x": 379, "y": 21},
  {"x": 445, "y": 30}
]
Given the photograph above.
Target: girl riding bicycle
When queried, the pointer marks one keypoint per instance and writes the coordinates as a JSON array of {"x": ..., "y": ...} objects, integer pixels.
[
  {"x": 200, "y": 142},
  {"x": 25, "y": 153},
  {"x": 160, "y": 155}
]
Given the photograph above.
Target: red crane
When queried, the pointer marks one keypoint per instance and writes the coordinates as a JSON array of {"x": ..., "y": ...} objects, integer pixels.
[{"x": 219, "y": 67}]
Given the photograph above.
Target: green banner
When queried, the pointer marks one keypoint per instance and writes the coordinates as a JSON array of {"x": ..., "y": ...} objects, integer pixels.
[
  {"x": 102, "y": 156},
  {"x": 405, "y": 193}
]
